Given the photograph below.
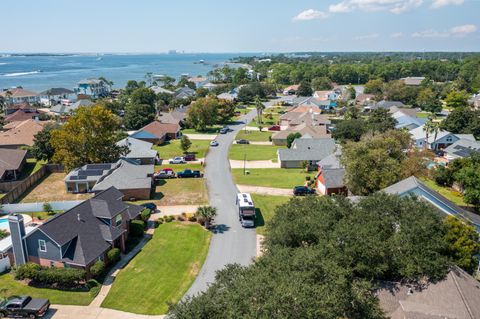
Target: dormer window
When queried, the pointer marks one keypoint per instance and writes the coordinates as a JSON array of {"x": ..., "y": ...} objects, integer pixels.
[{"x": 118, "y": 220}]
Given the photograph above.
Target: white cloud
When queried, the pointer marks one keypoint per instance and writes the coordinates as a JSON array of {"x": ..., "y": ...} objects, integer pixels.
[
  {"x": 442, "y": 3},
  {"x": 397, "y": 35},
  {"x": 458, "y": 31},
  {"x": 394, "y": 6},
  {"x": 310, "y": 14},
  {"x": 367, "y": 36},
  {"x": 463, "y": 30}
]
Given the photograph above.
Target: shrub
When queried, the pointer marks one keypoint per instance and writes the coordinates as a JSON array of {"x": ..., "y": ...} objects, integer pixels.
[
  {"x": 180, "y": 218},
  {"x": 47, "y": 207},
  {"x": 66, "y": 277},
  {"x": 137, "y": 228},
  {"x": 3, "y": 234},
  {"x": 97, "y": 269},
  {"x": 169, "y": 219},
  {"x": 27, "y": 271},
  {"x": 113, "y": 255},
  {"x": 145, "y": 214},
  {"x": 192, "y": 219},
  {"x": 92, "y": 283},
  {"x": 94, "y": 291}
]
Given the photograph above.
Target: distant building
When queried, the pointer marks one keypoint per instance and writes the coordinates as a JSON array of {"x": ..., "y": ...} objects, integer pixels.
[
  {"x": 184, "y": 93},
  {"x": 291, "y": 90},
  {"x": 56, "y": 96},
  {"x": 157, "y": 132},
  {"x": 138, "y": 151},
  {"x": 18, "y": 95},
  {"x": 18, "y": 134},
  {"x": 65, "y": 109},
  {"x": 12, "y": 163},
  {"x": 413, "y": 80},
  {"x": 439, "y": 141},
  {"x": 93, "y": 87}
]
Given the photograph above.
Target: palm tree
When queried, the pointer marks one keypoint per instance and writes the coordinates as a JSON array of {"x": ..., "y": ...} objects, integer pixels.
[
  {"x": 3, "y": 104},
  {"x": 207, "y": 213},
  {"x": 435, "y": 129},
  {"x": 428, "y": 128},
  {"x": 260, "y": 107},
  {"x": 107, "y": 82}
]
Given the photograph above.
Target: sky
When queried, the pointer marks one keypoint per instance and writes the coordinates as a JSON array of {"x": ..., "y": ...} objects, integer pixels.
[{"x": 155, "y": 26}]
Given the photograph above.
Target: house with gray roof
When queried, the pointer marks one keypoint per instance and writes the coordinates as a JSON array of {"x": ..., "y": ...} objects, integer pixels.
[
  {"x": 12, "y": 162},
  {"x": 56, "y": 96},
  {"x": 413, "y": 186},
  {"x": 184, "y": 93},
  {"x": 455, "y": 297},
  {"x": 78, "y": 237},
  {"x": 132, "y": 179},
  {"x": 138, "y": 151},
  {"x": 441, "y": 140},
  {"x": 305, "y": 149},
  {"x": 61, "y": 109},
  {"x": 462, "y": 148},
  {"x": 330, "y": 177}
]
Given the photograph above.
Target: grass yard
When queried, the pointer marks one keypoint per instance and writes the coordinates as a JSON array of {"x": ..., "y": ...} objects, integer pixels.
[
  {"x": 265, "y": 206},
  {"x": 162, "y": 272},
  {"x": 172, "y": 148},
  {"x": 450, "y": 194},
  {"x": 50, "y": 188},
  {"x": 179, "y": 191},
  {"x": 271, "y": 177},
  {"x": 62, "y": 297},
  {"x": 266, "y": 121},
  {"x": 254, "y": 136},
  {"x": 253, "y": 152},
  {"x": 210, "y": 130},
  {"x": 423, "y": 114}
]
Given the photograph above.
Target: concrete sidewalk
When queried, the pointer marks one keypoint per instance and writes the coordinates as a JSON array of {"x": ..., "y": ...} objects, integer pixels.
[
  {"x": 89, "y": 312},
  {"x": 207, "y": 137}
]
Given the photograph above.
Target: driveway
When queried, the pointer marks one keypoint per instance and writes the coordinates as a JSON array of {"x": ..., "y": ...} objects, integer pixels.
[
  {"x": 230, "y": 243},
  {"x": 254, "y": 164},
  {"x": 79, "y": 312},
  {"x": 265, "y": 190}
]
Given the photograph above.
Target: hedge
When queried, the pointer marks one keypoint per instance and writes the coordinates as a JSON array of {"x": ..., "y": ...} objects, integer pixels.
[
  {"x": 145, "y": 214},
  {"x": 97, "y": 269},
  {"x": 113, "y": 255},
  {"x": 66, "y": 277}
]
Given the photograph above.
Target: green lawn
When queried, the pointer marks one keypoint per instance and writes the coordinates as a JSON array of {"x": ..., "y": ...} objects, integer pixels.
[
  {"x": 253, "y": 152},
  {"x": 266, "y": 121},
  {"x": 62, "y": 297},
  {"x": 265, "y": 206},
  {"x": 179, "y": 191},
  {"x": 179, "y": 167},
  {"x": 450, "y": 194},
  {"x": 209, "y": 130},
  {"x": 172, "y": 148},
  {"x": 255, "y": 136},
  {"x": 271, "y": 177},
  {"x": 162, "y": 272},
  {"x": 423, "y": 114},
  {"x": 31, "y": 166}
]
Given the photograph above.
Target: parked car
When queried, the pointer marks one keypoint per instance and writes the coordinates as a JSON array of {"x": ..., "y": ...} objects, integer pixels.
[
  {"x": 223, "y": 131},
  {"x": 165, "y": 173},
  {"x": 214, "y": 143},
  {"x": 178, "y": 160},
  {"x": 190, "y": 157},
  {"x": 274, "y": 128},
  {"x": 188, "y": 173},
  {"x": 24, "y": 306},
  {"x": 151, "y": 206},
  {"x": 303, "y": 190},
  {"x": 243, "y": 142}
]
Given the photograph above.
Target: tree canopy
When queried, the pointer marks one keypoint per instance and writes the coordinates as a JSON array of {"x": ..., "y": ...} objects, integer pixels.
[
  {"x": 89, "y": 136},
  {"x": 42, "y": 148},
  {"x": 322, "y": 258}
]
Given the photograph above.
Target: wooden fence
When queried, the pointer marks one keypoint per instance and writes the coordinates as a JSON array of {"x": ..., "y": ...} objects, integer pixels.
[{"x": 28, "y": 182}]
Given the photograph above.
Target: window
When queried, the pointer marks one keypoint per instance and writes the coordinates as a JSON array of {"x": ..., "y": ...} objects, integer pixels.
[
  {"x": 42, "y": 245},
  {"x": 118, "y": 220}
]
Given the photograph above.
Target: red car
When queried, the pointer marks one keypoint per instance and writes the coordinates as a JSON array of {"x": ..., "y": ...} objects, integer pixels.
[
  {"x": 189, "y": 157},
  {"x": 274, "y": 128}
]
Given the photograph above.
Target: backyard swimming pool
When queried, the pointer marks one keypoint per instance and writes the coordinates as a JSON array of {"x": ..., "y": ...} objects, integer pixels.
[{"x": 4, "y": 223}]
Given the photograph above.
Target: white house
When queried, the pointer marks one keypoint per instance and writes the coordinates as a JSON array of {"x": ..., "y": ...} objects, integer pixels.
[{"x": 442, "y": 140}]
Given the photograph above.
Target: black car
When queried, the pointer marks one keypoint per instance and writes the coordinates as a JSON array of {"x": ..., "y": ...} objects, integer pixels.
[
  {"x": 189, "y": 174},
  {"x": 24, "y": 307},
  {"x": 150, "y": 206},
  {"x": 303, "y": 190},
  {"x": 243, "y": 142}
]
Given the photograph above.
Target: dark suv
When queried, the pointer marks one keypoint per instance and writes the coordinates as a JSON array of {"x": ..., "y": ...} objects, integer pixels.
[{"x": 303, "y": 190}]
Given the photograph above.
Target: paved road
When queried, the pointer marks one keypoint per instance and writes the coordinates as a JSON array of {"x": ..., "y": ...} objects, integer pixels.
[{"x": 231, "y": 243}]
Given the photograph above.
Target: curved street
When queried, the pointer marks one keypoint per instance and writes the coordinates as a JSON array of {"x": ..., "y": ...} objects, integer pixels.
[{"x": 231, "y": 243}]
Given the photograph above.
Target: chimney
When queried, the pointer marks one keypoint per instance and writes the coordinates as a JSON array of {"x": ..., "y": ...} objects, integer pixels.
[
  {"x": 17, "y": 233},
  {"x": 78, "y": 218}
]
